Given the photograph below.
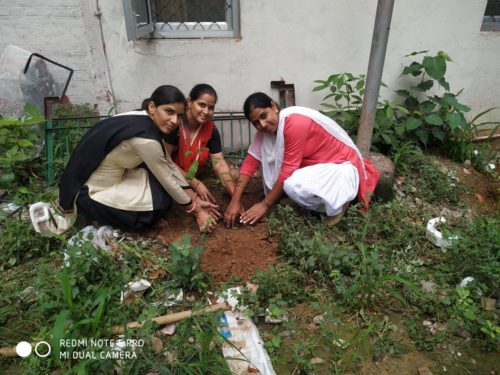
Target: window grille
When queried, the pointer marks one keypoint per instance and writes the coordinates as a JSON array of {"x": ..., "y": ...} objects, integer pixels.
[
  {"x": 491, "y": 19},
  {"x": 196, "y": 18}
]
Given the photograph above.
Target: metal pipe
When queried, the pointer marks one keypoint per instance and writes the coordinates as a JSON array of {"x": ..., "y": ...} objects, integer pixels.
[{"x": 374, "y": 74}]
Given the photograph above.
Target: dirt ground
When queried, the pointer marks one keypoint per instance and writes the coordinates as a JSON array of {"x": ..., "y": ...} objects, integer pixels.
[
  {"x": 229, "y": 253},
  {"x": 232, "y": 254}
]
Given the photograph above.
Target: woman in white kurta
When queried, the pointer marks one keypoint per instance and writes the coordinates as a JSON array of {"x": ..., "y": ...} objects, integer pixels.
[{"x": 305, "y": 154}]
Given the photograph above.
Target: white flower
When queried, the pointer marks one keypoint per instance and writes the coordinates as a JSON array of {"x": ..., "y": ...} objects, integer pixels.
[
  {"x": 476, "y": 152},
  {"x": 491, "y": 166}
]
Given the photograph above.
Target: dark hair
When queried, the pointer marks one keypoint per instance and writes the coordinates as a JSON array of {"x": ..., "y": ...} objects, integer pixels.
[
  {"x": 256, "y": 100},
  {"x": 200, "y": 89},
  {"x": 165, "y": 94}
]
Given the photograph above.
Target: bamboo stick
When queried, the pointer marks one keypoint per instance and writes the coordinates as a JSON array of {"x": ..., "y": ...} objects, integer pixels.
[{"x": 160, "y": 320}]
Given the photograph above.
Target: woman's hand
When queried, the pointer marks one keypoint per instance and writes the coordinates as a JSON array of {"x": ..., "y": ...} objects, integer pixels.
[
  {"x": 211, "y": 208},
  {"x": 203, "y": 192},
  {"x": 232, "y": 212},
  {"x": 254, "y": 213},
  {"x": 206, "y": 222}
]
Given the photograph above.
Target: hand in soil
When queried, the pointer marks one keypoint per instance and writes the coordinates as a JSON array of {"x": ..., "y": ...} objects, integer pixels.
[
  {"x": 232, "y": 212},
  {"x": 254, "y": 213},
  {"x": 211, "y": 208},
  {"x": 204, "y": 193},
  {"x": 206, "y": 222}
]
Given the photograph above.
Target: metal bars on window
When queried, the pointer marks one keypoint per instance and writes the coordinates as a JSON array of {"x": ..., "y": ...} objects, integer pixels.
[{"x": 196, "y": 18}]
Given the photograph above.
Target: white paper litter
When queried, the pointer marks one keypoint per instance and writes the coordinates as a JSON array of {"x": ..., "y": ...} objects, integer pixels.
[
  {"x": 435, "y": 236},
  {"x": 47, "y": 221},
  {"x": 134, "y": 286},
  {"x": 246, "y": 350},
  {"x": 100, "y": 239}
]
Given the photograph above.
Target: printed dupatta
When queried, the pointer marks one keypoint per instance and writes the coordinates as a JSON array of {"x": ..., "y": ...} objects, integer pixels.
[{"x": 194, "y": 151}]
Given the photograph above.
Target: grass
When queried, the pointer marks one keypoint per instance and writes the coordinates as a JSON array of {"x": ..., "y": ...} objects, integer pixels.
[{"x": 352, "y": 293}]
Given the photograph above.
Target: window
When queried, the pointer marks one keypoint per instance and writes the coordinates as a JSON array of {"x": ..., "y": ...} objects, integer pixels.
[
  {"x": 182, "y": 18},
  {"x": 491, "y": 19},
  {"x": 138, "y": 18}
]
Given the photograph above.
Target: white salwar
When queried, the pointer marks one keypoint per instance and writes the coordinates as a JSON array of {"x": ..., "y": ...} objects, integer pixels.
[{"x": 322, "y": 187}]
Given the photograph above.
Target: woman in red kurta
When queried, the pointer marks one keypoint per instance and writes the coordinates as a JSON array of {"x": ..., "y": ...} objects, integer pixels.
[
  {"x": 197, "y": 141},
  {"x": 305, "y": 154}
]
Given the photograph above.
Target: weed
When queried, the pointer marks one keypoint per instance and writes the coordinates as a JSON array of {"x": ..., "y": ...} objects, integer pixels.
[
  {"x": 19, "y": 243},
  {"x": 186, "y": 265}
]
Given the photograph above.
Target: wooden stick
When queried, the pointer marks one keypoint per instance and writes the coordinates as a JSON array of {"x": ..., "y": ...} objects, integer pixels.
[
  {"x": 160, "y": 320},
  {"x": 172, "y": 318}
]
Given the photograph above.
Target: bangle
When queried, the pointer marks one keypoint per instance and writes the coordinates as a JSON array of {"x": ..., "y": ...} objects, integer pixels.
[{"x": 194, "y": 205}]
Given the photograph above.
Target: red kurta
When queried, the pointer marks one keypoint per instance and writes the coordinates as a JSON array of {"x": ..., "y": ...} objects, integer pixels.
[
  {"x": 197, "y": 150},
  {"x": 307, "y": 143}
]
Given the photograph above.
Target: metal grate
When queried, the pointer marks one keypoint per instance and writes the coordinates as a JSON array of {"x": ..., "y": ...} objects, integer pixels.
[
  {"x": 194, "y": 18},
  {"x": 62, "y": 135}
]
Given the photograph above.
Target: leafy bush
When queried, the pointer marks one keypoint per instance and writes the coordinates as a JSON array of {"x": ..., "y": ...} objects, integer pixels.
[
  {"x": 19, "y": 242},
  {"x": 20, "y": 143},
  {"x": 477, "y": 253},
  {"x": 426, "y": 117},
  {"x": 186, "y": 265}
]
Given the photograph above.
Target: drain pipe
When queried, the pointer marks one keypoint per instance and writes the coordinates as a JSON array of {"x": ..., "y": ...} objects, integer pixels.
[{"x": 374, "y": 75}]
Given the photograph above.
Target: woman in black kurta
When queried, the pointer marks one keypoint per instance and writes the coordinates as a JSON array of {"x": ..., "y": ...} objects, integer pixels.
[{"x": 120, "y": 174}]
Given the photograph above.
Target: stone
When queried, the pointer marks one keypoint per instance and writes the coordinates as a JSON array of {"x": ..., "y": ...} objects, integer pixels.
[
  {"x": 157, "y": 344},
  {"x": 316, "y": 361},
  {"x": 384, "y": 189},
  {"x": 318, "y": 319},
  {"x": 488, "y": 303},
  {"x": 428, "y": 286},
  {"x": 424, "y": 371}
]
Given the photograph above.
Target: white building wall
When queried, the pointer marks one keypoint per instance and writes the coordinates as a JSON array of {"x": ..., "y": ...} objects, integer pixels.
[{"x": 298, "y": 41}]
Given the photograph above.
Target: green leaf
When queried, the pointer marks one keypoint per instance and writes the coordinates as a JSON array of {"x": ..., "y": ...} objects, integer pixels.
[
  {"x": 438, "y": 133},
  {"x": 455, "y": 120},
  {"x": 402, "y": 109},
  {"x": 414, "y": 53},
  {"x": 414, "y": 69},
  {"x": 444, "y": 84},
  {"x": 412, "y": 123},
  {"x": 193, "y": 168},
  {"x": 24, "y": 143},
  {"x": 403, "y": 93},
  {"x": 427, "y": 106},
  {"x": 423, "y": 136},
  {"x": 425, "y": 85},
  {"x": 469, "y": 314},
  {"x": 58, "y": 332},
  {"x": 433, "y": 119},
  {"x": 435, "y": 66},
  {"x": 444, "y": 55},
  {"x": 320, "y": 87}
]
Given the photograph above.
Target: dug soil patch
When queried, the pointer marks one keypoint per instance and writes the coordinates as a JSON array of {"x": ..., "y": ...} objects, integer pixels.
[{"x": 229, "y": 253}]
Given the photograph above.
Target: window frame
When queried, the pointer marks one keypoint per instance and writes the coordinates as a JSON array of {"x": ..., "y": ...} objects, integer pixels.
[
  {"x": 229, "y": 28},
  {"x": 491, "y": 22},
  {"x": 135, "y": 30}
]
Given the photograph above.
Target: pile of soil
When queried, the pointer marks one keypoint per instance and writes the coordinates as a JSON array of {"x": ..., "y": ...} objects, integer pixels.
[{"x": 229, "y": 253}]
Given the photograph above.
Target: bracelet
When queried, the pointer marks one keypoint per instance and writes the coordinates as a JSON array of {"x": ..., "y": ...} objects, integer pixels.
[
  {"x": 266, "y": 203},
  {"x": 194, "y": 205}
]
